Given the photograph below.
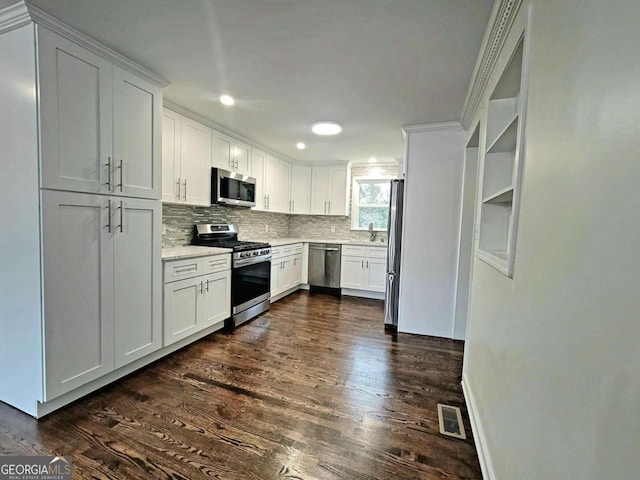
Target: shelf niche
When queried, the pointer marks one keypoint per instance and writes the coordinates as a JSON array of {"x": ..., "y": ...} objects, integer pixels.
[{"x": 501, "y": 167}]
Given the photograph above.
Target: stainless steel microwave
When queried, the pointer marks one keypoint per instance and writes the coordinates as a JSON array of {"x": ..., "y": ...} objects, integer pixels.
[{"x": 232, "y": 188}]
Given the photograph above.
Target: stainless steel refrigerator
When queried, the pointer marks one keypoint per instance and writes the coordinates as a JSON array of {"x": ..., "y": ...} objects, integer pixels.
[{"x": 394, "y": 238}]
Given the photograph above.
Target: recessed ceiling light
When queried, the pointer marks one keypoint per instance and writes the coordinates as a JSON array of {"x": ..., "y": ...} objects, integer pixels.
[
  {"x": 326, "y": 128},
  {"x": 300, "y": 146},
  {"x": 372, "y": 160},
  {"x": 227, "y": 100}
]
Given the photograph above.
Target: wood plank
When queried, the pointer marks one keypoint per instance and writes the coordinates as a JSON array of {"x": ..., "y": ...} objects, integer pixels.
[{"x": 313, "y": 389}]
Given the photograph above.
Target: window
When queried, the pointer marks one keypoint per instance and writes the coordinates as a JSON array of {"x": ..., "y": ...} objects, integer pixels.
[{"x": 370, "y": 203}]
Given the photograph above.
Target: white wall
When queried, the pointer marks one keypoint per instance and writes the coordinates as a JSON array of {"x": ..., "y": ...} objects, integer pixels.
[
  {"x": 431, "y": 222},
  {"x": 553, "y": 356}
]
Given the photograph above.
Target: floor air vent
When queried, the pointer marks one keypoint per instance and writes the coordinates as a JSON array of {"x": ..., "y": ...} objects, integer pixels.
[{"x": 450, "y": 421}]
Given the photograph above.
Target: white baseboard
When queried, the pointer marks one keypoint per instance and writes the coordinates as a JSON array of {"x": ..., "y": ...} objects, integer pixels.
[
  {"x": 363, "y": 294},
  {"x": 478, "y": 432}
]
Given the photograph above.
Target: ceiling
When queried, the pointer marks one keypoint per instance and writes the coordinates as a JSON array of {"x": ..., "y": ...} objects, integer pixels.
[{"x": 371, "y": 65}]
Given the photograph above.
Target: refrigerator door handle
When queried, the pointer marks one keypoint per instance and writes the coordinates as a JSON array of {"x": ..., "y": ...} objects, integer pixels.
[{"x": 388, "y": 314}]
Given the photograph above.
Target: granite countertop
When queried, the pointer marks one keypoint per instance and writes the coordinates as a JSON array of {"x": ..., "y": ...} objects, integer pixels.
[
  {"x": 276, "y": 242},
  {"x": 190, "y": 251}
]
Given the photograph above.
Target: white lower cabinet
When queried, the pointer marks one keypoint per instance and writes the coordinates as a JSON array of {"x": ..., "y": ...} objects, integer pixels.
[
  {"x": 102, "y": 274},
  {"x": 286, "y": 268},
  {"x": 363, "y": 268},
  {"x": 194, "y": 300}
]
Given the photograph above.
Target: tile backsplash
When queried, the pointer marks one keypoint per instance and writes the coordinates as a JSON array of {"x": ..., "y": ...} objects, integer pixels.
[{"x": 178, "y": 220}]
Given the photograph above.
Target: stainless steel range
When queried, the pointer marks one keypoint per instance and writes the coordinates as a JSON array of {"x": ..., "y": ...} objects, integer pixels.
[{"x": 250, "y": 270}]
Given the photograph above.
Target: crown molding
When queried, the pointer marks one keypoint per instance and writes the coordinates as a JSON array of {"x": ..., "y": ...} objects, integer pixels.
[
  {"x": 432, "y": 127},
  {"x": 22, "y": 13},
  {"x": 500, "y": 22},
  {"x": 14, "y": 16}
]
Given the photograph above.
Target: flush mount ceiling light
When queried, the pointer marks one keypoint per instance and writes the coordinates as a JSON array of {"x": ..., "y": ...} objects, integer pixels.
[
  {"x": 372, "y": 160},
  {"x": 300, "y": 146},
  {"x": 326, "y": 128},
  {"x": 227, "y": 100}
]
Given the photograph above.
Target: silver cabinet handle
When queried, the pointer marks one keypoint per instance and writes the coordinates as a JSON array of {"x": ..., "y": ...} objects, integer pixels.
[
  {"x": 367, "y": 264},
  {"x": 185, "y": 189},
  {"x": 121, "y": 175},
  {"x": 109, "y": 184},
  {"x": 178, "y": 182},
  {"x": 201, "y": 288},
  {"x": 121, "y": 217},
  {"x": 329, "y": 206},
  {"x": 268, "y": 202},
  {"x": 207, "y": 286},
  {"x": 109, "y": 215},
  {"x": 290, "y": 206},
  {"x": 362, "y": 264}
]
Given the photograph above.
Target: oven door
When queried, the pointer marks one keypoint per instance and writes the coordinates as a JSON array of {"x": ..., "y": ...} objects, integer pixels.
[{"x": 251, "y": 285}]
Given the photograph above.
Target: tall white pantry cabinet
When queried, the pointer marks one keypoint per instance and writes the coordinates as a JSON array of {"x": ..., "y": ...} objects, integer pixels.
[{"x": 80, "y": 136}]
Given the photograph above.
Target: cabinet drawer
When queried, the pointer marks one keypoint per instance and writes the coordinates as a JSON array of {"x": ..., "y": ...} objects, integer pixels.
[
  {"x": 353, "y": 251},
  {"x": 217, "y": 263},
  {"x": 376, "y": 252},
  {"x": 297, "y": 248},
  {"x": 181, "y": 269},
  {"x": 276, "y": 252}
]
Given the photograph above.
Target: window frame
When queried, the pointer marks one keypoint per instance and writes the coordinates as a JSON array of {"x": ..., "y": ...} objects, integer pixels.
[{"x": 355, "y": 196}]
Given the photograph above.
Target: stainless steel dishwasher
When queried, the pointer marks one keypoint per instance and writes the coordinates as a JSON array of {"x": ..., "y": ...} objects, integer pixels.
[{"x": 324, "y": 265}]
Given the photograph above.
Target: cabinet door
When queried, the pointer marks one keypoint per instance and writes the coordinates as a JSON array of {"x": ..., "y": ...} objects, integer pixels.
[
  {"x": 257, "y": 171},
  {"x": 300, "y": 189},
  {"x": 137, "y": 134},
  {"x": 275, "y": 277},
  {"x": 376, "y": 274},
  {"x": 338, "y": 197},
  {"x": 182, "y": 309},
  {"x": 137, "y": 279},
  {"x": 270, "y": 182},
  {"x": 320, "y": 190},
  {"x": 216, "y": 300},
  {"x": 285, "y": 278},
  {"x": 241, "y": 158},
  {"x": 296, "y": 276},
  {"x": 222, "y": 145},
  {"x": 284, "y": 187},
  {"x": 78, "y": 290},
  {"x": 76, "y": 117},
  {"x": 195, "y": 163},
  {"x": 171, "y": 134},
  {"x": 352, "y": 274}
]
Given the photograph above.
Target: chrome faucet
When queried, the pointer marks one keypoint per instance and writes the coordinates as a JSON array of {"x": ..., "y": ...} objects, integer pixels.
[{"x": 372, "y": 233}]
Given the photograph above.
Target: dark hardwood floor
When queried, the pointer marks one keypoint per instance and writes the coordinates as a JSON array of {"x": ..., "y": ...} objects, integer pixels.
[{"x": 313, "y": 389}]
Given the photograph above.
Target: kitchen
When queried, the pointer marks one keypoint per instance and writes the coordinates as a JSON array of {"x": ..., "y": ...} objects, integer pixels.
[{"x": 113, "y": 330}]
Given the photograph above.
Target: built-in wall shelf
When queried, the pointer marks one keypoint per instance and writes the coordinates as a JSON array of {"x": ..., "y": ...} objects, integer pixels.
[
  {"x": 502, "y": 163},
  {"x": 501, "y": 196}
]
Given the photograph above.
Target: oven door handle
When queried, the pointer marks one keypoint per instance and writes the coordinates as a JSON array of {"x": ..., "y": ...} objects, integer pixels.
[{"x": 243, "y": 262}]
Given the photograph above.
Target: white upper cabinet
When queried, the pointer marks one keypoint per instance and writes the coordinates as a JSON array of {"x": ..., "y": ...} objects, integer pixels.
[
  {"x": 100, "y": 125},
  {"x": 329, "y": 190},
  {"x": 283, "y": 187},
  {"x": 195, "y": 163},
  {"x": 76, "y": 116},
  {"x": 186, "y": 160},
  {"x": 231, "y": 154},
  {"x": 270, "y": 182},
  {"x": 266, "y": 170},
  {"x": 300, "y": 189},
  {"x": 137, "y": 131},
  {"x": 171, "y": 142},
  {"x": 257, "y": 171}
]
